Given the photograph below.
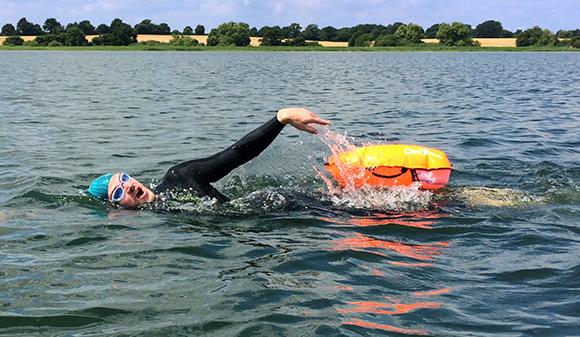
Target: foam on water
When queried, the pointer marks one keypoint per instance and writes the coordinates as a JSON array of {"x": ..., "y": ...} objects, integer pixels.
[{"x": 494, "y": 197}]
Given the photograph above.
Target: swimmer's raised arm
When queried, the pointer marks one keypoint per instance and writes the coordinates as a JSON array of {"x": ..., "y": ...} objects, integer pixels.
[
  {"x": 300, "y": 118},
  {"x": 199, "y": 173}
]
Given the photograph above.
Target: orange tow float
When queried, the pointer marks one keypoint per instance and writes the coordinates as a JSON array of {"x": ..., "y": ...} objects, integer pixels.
[{"x": 391, "y": 165}]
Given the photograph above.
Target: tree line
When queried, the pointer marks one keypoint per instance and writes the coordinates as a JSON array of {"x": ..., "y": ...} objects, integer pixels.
[{"x": 53, "y": 33}]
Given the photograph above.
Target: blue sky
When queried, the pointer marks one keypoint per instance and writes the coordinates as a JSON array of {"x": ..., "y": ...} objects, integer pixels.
[{"x": 514, "y": 14}]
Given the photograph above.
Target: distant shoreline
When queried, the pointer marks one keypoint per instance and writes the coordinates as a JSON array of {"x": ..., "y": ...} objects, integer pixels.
[
  {"x": 148, "y": 42},
  {"x": 412, "y": 48}
]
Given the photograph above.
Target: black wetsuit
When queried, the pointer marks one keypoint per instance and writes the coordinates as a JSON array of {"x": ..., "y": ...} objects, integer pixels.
[{"x": 197, "y": 174}]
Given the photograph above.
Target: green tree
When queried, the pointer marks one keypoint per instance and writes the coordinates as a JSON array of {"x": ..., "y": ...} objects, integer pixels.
[
  {"x": 362, "y": 40},
  {"x": 547, "y": 38},
  {"x": 387, "y": 41},
  {"x": 271, "y": 36},
  {"x": 121, "y": 35},
  {"x": 44, "y": 40},
  {"x": 74, "y": 36},
  {"x": 506, "y": 33},
  {"x": 199, "y": 30},
  {"x": 13, "y": 40},
  {"x": 104, "y": 40},
  {"x": 328, "y": 33},
  {"x": 87, "y": 27},
  {"x": 51, "y": 26},
  {"x": 292, "y": 31},
  {"x": 228, "y": 34},
  {"x": 431, "y": 32},
  {"x": 55, "y": 43},
  {"x": 262, "y": 30},
  {"x": 455, "y": 34},
  {"x": 410, "y": 33},
  {"x": 353, "y": 38},
  {"x": 145, "y": 27},
  {"x": 103, "y": 29},
  {"x": 163, "y": 29},
  {"x": 187, "y": 30},
  {"x": 391, "y": 29},
  {"x": 529, "y": 37},
  {"x": 183, "y": 41},
  {"x": 296, "y": 42},
  {"x": 8, "y": 30},
  {"x": 343, "y": 34},
  {"x": 575, "y": 42},
  {"x": 23, "y": 27},
  {"x": 488, "y": 29},
  {"x": 116, "y": 23},
  {"x": 564, "y": 34},
  {"x": 254, "y": 31},
  {"x": 311, "y": 32}
]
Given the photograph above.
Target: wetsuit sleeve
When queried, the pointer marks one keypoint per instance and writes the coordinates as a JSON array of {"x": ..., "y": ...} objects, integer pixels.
[
  {"x": 206, "y": 170},
  {"x": 214, "y": 168}
]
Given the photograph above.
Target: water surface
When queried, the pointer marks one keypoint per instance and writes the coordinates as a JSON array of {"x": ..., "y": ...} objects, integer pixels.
[{"x": 495, "y": 254}]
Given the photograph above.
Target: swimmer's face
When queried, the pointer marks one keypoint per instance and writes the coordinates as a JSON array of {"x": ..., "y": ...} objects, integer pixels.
[{"x": 126, "y": 191}]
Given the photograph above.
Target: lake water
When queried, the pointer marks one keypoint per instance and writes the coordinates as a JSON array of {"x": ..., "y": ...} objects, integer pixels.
[{"x": 495, "y": 254}]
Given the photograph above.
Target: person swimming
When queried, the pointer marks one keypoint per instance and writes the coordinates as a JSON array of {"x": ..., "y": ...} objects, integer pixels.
[{"x": 197, "y": 175}]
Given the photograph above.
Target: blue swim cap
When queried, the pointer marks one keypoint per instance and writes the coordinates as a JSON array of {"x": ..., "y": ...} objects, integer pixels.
[{"x": 100, "y": 187}]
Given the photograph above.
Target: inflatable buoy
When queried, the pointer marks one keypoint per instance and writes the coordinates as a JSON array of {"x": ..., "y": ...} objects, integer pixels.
[{"x": 391, "y": 165}]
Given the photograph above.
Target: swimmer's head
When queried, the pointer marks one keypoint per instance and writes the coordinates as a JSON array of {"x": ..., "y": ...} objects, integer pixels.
[
  {"x": 121, "y": 189},
  {"x": 99, "y": 187}
]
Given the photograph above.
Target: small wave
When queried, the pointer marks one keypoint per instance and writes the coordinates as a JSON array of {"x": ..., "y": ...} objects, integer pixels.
[
  {"x": 14, "y": 183},
  {"x": 525, "y": 275},
  {"x": 73, "y": 319}
]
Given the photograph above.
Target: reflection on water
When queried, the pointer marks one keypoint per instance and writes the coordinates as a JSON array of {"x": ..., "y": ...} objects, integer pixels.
[
  {"x": 362, "y": 313},
  {"x": 362, "y": 242},
  {"x": 419, "y": 219},
  {"x": 389, "y": 307},
  {"x": 386, "y": 327}
]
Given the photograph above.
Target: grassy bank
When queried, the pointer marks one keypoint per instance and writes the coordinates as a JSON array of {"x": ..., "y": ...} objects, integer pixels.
[{"x": 168, "y": 47}]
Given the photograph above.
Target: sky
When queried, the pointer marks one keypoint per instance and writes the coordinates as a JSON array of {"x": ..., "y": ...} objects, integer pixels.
[{"x": 513, "y": 14}]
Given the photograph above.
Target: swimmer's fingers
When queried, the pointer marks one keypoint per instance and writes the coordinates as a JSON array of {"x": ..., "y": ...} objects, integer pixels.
[{"x": 317, "y": 120}]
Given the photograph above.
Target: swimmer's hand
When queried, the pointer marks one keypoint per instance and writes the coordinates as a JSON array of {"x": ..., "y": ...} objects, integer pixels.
[{"x": 301, "y": 119}]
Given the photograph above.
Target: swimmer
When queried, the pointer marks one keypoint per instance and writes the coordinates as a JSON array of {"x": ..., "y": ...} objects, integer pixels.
[{"x": 198, "y": 174}]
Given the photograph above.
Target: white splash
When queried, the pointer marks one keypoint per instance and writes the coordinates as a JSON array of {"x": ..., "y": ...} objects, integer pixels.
[{"x": 398, "y": 199}]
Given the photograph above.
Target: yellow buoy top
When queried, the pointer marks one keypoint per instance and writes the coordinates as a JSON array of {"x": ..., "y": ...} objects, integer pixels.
[{"x": 394, "y": 155}]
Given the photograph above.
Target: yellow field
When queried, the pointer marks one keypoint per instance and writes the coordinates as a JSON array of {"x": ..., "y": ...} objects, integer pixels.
[
  {"x": 25, "y": 38},
  {"x": 491, "y": 42},
  {"x": 31, "y": 38},
  {"x": 331, "y": 43},
  {"x": 255, "y": 41}
]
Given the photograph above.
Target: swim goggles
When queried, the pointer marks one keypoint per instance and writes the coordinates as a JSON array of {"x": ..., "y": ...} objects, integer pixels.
[{"x": 119, "y": 192}]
